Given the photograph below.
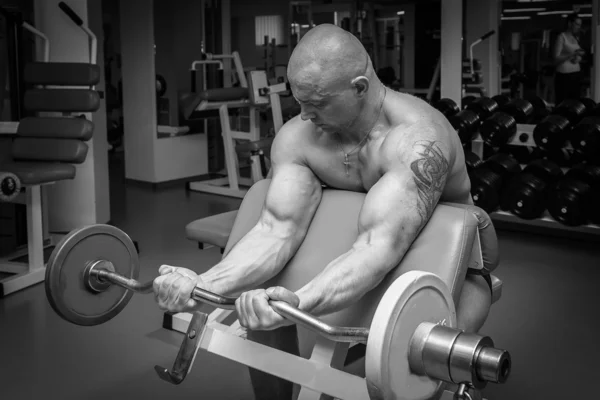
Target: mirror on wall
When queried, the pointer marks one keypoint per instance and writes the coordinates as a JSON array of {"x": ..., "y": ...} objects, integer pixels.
[{"x": 538, "y": 44}]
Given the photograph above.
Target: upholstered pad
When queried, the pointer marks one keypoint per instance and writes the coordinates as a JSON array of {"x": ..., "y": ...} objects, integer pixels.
[
  {"x": 224, "y": 94},
  {"x": 489, "y": 240},
  {"x": 188, "y": 102},
  {"x": 62, "y": 100},
  {"x": 212, "y": 230},
  {"x": 61, "y": 150},
  {"x": 56, "y": 127},
  {"x": 31, "y": 173},
  {"x": 57, "y": 73},
  {"x": 444, "y": 246}
]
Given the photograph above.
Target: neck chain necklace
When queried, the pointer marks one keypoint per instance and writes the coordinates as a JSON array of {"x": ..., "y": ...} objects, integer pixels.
[{"x": 346, "y": 162}]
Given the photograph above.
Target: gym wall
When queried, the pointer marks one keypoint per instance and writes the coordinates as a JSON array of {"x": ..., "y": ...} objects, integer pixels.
[{"x": 243, "y": 14}]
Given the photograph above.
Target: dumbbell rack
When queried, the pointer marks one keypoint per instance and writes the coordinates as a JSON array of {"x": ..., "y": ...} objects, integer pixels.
[{"x": 546, "y": 223}]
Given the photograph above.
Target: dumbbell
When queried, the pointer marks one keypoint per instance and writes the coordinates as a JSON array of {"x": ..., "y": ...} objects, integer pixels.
[
  {"x": 523, "y": 154},
  {"x": 591, "y": 108},
  {"x": 467, "y": 100},
  {"x": 571, "y": 199},
  {"x": 520, "y": 109},
  {"x": 525, "y": 194},
  {"x": 541, "y": 108},
  {"x": 466, "y": 123},
  {"x": 572, "y": 109},
  {"x": 483, "y": 106},
  {"x": 553, "y": 131},
  {"x": 489, "y": 180},
  {"x": 585, "y": 138},
  {"x": 446, "y": 106},
  {"x": 564, "y": 157},
  {"x": 502, "y": 100},
  {"x": 10, "y": 186},
  {"x": 498, "y": 129},
  {"x": 472, "y": 161}
]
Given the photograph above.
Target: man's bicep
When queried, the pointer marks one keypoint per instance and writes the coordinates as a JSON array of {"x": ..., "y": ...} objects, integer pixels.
[
  {"x": 402, "y": 201},
  {"x": 292, "y": 199},
  {"x": 430, "y": 167}
]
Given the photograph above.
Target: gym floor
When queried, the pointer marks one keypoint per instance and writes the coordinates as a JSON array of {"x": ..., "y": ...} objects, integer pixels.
[{"x": 547, "y": 318}]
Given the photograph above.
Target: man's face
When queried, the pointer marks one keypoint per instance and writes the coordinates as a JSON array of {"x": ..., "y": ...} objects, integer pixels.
[{"x": 330, "y": 108}]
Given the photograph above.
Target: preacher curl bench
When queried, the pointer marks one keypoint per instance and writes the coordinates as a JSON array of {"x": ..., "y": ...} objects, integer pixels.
[{"x": 415, "y": 348}]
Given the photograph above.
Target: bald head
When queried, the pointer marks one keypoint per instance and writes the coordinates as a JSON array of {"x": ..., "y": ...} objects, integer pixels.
[{"x": 328, "y": 56}]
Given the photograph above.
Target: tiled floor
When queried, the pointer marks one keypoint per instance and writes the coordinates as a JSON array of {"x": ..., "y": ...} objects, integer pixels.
[{"x": 547, "y": 318}]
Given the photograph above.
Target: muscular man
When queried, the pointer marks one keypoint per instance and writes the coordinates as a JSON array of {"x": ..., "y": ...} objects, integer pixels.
[{"x": 353, "y": 134}]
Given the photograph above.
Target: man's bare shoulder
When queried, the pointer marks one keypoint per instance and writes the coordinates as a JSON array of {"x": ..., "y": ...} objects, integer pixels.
[
  {"x": 292, "y": 140},
  {"x": 416, "y": 126}
]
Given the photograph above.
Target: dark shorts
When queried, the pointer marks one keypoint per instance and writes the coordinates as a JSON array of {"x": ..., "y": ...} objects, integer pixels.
[
  {"x": 487, "y": 277},
  {"x": 567, "y": 86}
]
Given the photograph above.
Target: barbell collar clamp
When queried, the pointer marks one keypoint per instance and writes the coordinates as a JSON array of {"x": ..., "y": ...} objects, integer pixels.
[{"x": 451, "y": 355}]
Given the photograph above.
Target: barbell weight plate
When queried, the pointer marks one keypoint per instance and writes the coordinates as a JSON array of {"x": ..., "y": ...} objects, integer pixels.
[
  {"x": 66, "y": 289},
  {"x": 413, "y": 298}
]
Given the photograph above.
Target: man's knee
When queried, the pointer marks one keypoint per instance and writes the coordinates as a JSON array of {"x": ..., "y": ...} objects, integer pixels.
[{"x": 474, "y": 303}]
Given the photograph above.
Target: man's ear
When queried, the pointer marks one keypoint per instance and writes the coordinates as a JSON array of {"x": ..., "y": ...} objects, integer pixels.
[{"x": 361, "y": 84}]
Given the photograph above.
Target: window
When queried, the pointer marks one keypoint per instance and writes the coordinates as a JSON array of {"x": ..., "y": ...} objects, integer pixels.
[{"x": 271, "y": 26}]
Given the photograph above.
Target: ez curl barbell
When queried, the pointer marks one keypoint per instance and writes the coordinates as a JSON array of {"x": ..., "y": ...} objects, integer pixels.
[{"x": 92, "y": 274}]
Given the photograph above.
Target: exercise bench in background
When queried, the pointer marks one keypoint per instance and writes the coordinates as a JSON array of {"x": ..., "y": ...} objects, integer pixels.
[
  {"x": 45, "y": 150},
  {"x": 254, "y": 94}
]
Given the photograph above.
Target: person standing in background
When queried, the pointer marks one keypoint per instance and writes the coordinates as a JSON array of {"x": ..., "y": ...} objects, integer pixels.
[{"x": 568, "y": 55}]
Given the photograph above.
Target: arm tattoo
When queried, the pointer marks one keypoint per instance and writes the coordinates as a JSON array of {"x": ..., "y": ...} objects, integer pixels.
[{"x": 429, "y": 171}]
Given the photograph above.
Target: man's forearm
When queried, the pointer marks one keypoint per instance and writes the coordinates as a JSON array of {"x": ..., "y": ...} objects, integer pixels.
[
  {"x": 256, "y": 258},
  {"x": 347, "y": 279}
]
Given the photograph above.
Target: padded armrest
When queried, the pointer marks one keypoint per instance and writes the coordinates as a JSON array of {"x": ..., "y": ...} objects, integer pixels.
[{"x": 487, "y": 236}]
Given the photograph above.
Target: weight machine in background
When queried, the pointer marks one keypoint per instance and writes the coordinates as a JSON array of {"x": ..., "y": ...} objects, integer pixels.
[
  {"x": 46, "y": 148},
  {"x": 254, "y": 95}
]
